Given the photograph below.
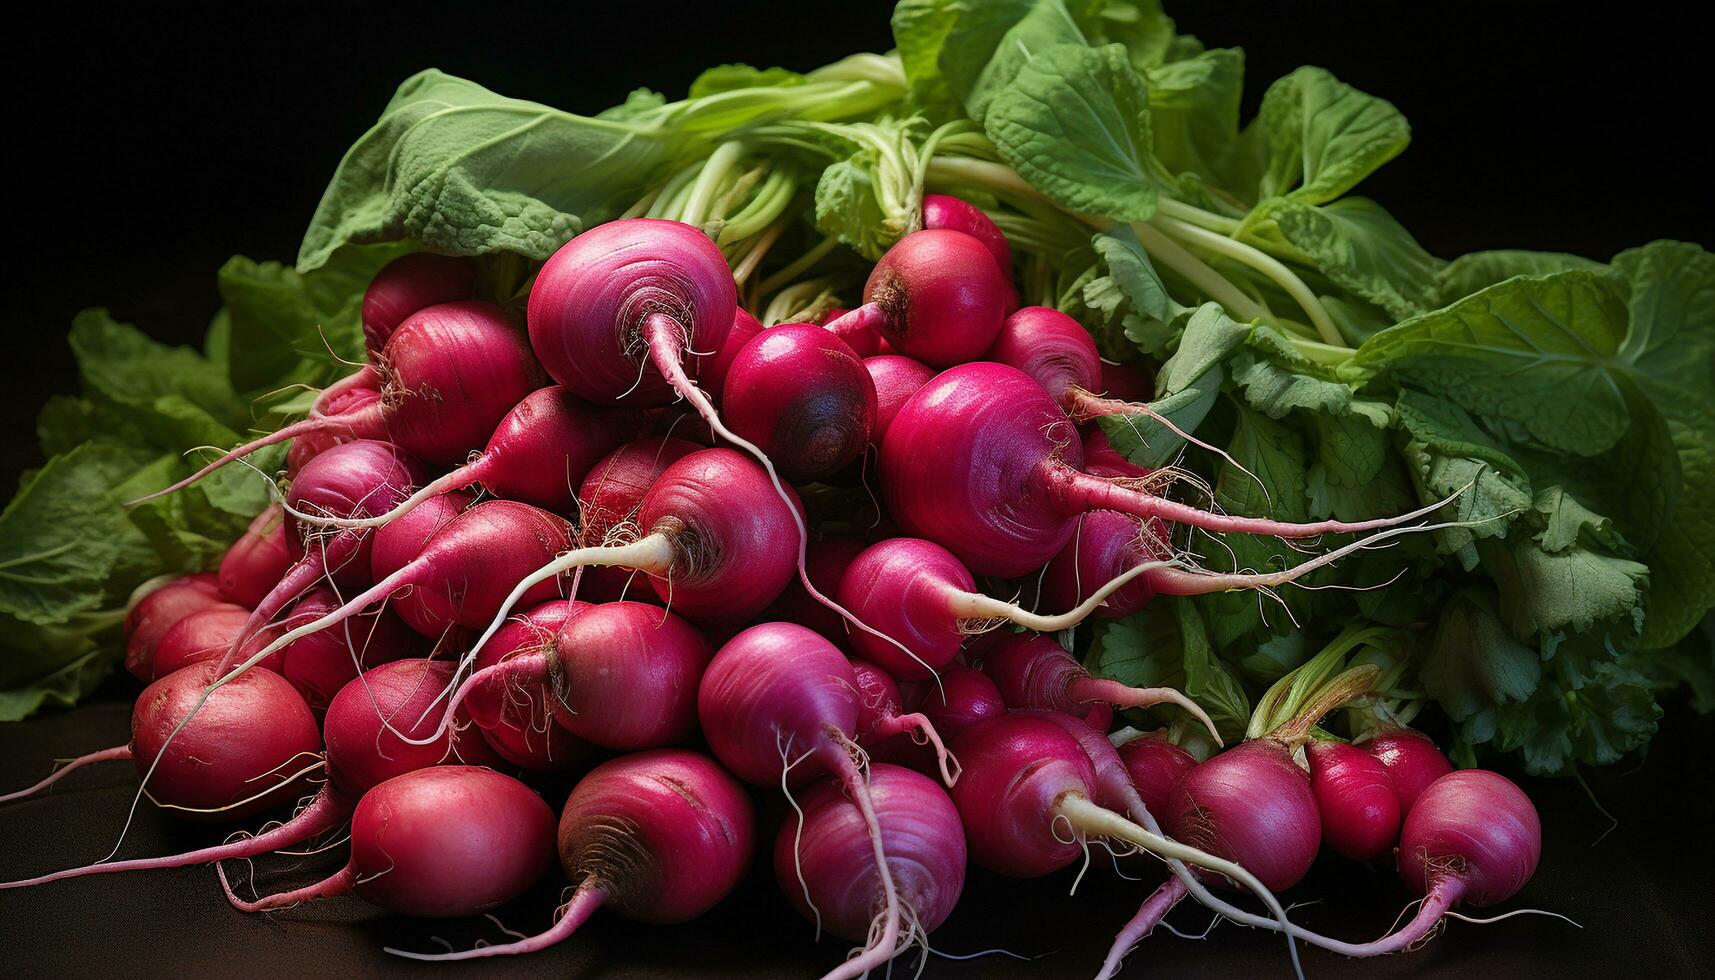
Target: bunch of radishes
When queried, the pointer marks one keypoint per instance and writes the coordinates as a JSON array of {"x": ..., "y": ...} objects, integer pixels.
[{"x": 477, "y": 571}]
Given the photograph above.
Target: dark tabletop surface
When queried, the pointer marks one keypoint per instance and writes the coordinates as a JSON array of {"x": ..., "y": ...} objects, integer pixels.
[{"x": 1640, "y": 891}]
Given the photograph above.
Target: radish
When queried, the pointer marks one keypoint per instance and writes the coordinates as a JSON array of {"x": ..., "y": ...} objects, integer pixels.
[
  {"x": 896, "y": 379},
  {"x": 518, "y": 720},
  {"x": 779, "y": 698},
  {"x": 448, "y": 375},
  {"x": 1355, "y": 799},
  {"x": 882, "y": 725},
  {"x": 1102, "y": 459},
  {"x": 206, "y": 634},
  {"x": 824, "y": 864},
  {"x": 251, "y": 749},
  {"x": 954, "y": 214},
  {"x": 863, "y": 341},
  {"x": 961, "y": 697},
  {"x": 982, "y": 462},
  {"x": 156, "y": 607},
  {"x": 257, "y": 560},
  {"x": 917, "y": 593},
  {"x": 827, "y": 559},
  {"x": 1104, "y": 546},
  {"x": 657, "y": 836},
  {"x": 539, "y": 454},
  {"x": 937, "y": 295},
  {"x": 408, "y": 284},
  {"x": 1155, "y": 767},
  {"x": 1412, "y": 762},
  {"x": 608, "y": 503},
  {"x": 394, "y": 546},
  {"x": 320, "y": 665},
  {"x": 1033, "y": 672},
  {"x": 712, "y": 377},
  {"x": 1127, "y": 381},
  {"x": 803, "y": 396},
  {"x": 372, "y": 718},
  {"x": 437, "y": 843}
]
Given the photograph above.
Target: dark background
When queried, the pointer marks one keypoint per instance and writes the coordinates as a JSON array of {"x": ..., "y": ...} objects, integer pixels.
[{"x": 147, "y": 147}]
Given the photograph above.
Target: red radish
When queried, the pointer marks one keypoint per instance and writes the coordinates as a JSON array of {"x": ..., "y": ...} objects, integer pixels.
[
  {"x": 1155, "y": 767},
  {"x": 371, "y": 720},
  {"x": 355, "y": 396},
  {"x": 394, "y": 546},
  {"x": 256, "y": 561},
  {"x": 1127, "y": 381},
  {"x": 518, "y": 720},
  {"x": 206, "y": 634},
  {"x": 779, "y": 698},
  {"x": 436, "y": 843},
  {"x": 322, "y": 664},
  {"x": 155, "y": 607},
  {"x": 825, "y": 866},
  {"x": 865, "y": 342},
  {"x": 954, "y": 214},
  {"x": 981, "y": 461},
  {"x": 936, "y": 295},
  {"x": 449, "y": 373},
  {"x": 1033, "y": 672},
  {"x": 826, "y": 560},
  {"x": 657, "y": 836},
  {"x": 1355, "y": 798},
  {"x": 884, "y": 727},
  {"x": 1101, "y": 716},
  {"x": 896, "y": 379},
  {"x": 539, "y": 454},
  {"x": 1472, "y": 837},
  {"x": 1104, "y": 546},
  {"x": 962, "y": 697},
  {"x": 1412, "y": 761},
  {"x": 802, "y": 395},
  {"x": 609, "y": 499},
  {"x": 1102, "y": 459},
  {"x": 712, "y": 377},
  {"x": 918, "y": 594},
  {"x": 408, "y": 284}
]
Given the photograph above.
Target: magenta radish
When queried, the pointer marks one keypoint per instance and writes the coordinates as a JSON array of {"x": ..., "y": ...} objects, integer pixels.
[
  {"x": 609, "y": 499},
  {"x": 824, "y": 864},
  {"x": 320, "y": 665},
  {"x": 155, "y": 608},
  {"x": 206, "y": 634},
  {"x": 885, "y": 729},
  {"x": 408, "y": 284},
  {"x": 937, "y": 295},
  {"x": 1412, "y": 761},
  {"x": 372, "y": 718},
  {"x": 1355, "y": 799},
  {"x": 896, "y": 379},
  {"x": 803, "y": 397},
  {"x": 657, "y": 836},
  {"x": 826, "y": 561},
  {"x": 518, "y": 719},
  {"x": 918, "y": 594},
  {"x": 436, "y": 843},
  {"x": 712, "y": 376},
  {"x": 961, "y": 697},
  {"x": 1127, "y": 381},
  {"x": 1105, "y": 546},
  {"x": 257, "y": 560},
  {"x": 982, "y": 462},
  {"x": 1033, "y": 672},
  {"x": 863, "y": 340},
  {"x": 449, "y": 374},
  {"x": 394, "y": 546},
  {"x": 1102, "y": 459},
  {"x": 1473, "y": 836},
  {"x": 779, "y": 701},
  {"x": 954, "y": 214},
  {"x": 1155, "y": 767},
  {"x": 539, "y": 454}
]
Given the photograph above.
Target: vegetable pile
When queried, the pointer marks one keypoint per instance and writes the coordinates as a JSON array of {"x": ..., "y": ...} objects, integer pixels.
[{"x": 992, "y": 446}]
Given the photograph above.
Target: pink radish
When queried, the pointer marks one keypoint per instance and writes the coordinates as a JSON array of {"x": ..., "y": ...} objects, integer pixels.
[
  {"x": 1102, "y": 459},
  {"x": 256, "y": 561},
  {"x": 961, "y": 697},
  {"x": 320, "y": 665},
  {"x": 436, "y": 843},
  {"x": 372, "y": 717},
  {"x": 408, "y": 284},
  {"x": 1412, "y": 762},
  {"x": 1033, "y": 672},
  {"x": 896, "y": 379},
  {"x": 518, "y": 719},
  {"x": 936, "y": 295},
  {"x": 954, "y": 214},
  {"x": 1155, "y": 767},
  {"x": 403, "y": 539},
  {"x": 825, "y": 865},
  {"x": 1127, "y": 381},
  {"x": 609, "y": 499},
  {"x": 827, "y": 559},
  {"x": 657, "y": 836},
  {"x": 712, "y": 377},
  {"x": 884, "y": 728},
  {"x": 778, "y": 701},
  {"x": 981, "y": 461},
  {"x": 155, "y": 608},
  {"x": 1355, "y": 799},
  {"x": 448, "y": 375},
  {"x": 1104, "y": 546},
  {"x": 863, "y": 341},
  {"x": 206, "y": 634},
  {"x": 803, "y": 396}
]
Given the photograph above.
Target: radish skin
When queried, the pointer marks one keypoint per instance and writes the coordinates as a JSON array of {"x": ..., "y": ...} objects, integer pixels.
[
  {"x": 408, "y": 284},
  {"x": 1033, "y": 672},
  {"x": 257, "y": 560},
  {"x": 155, "y": 612},
  {"x": 1355, "y": 799}
]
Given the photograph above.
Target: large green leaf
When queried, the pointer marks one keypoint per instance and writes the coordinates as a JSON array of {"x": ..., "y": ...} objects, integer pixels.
[
  {"x": 1322, "y": 136},
  {"x": 1356, "y": 244}
]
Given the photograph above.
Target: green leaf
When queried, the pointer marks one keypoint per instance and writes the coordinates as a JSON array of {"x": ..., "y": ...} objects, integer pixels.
[
  {"x": 62, "y": 534},
  {"x": 123, "y": 366},
  {"x": 1356, "y": 244},
  {"x": 1075, "y": 123},
  {"x": 1140, "y": 25},
  {"x": 848, "y": 209},
  {"x": 1322, "y": 136},
  {"x": 1569, "y": 522},
  {"x": 1189, "y": 385},
  {"x": 920, "y": 28},
  {"x": 992, "y": 40},
  {"x": 1167, "y": 646},
  {"x": 1448, "y": 452},
  {"x": 1473, "y": 665},
  {"x": 1590, "y": 709},
  {"x": 1570, "y": 590},
  {"x": 1194, "y": 110},
  {"x": 731, "y": 78},
  {"x": 1688, "y": 663},
  {"x": 1480, "y": 270},
  {"x": 1276, "y": 379},
  {"x": 1536, "y": 351},
  {"x": 58, "y": 664},
  {"x": 285, "y": 327},
  {"x": 1131, "y": 294}
]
